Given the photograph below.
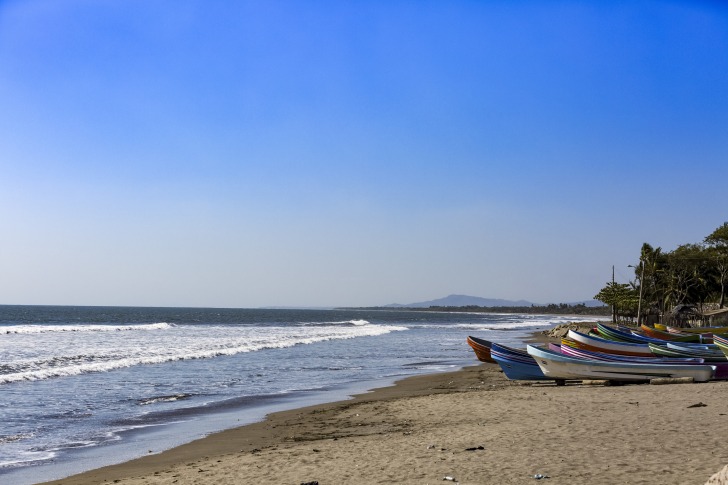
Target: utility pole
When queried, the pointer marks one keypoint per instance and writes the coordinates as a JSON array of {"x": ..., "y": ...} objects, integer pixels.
[
  {"x": 642, "y": 284},
  {"x": 614, "y": 308}
]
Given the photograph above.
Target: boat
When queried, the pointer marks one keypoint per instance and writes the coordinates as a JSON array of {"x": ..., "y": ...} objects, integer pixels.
[
  {"x": 516, "y": 364},
  {"x": 720, "y": 368},
  {"x": 555, "y": 365},
  {"x": 675, "y": 337},
  {"x": 674, "y": 350},
  {"x": 622, "y": 334},
  {"x": 721, "y": 342},
  {"x": 588, "y": 354},
  {"x": 481, "y": 348},
  {"x": 712, "y": 330},
  {"x": 597, "y": 344},
  {"x": 625, "y": 334}
]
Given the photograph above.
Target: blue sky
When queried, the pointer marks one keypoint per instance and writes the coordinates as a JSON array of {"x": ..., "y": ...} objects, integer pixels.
[{"x": 245, "y": 154}]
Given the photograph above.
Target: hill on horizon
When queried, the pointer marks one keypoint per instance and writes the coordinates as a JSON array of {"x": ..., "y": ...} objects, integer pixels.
[{"x": 466, "y": 300}]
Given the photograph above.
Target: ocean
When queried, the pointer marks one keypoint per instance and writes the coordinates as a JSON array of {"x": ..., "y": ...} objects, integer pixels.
[{"x": 83, "y": 387}]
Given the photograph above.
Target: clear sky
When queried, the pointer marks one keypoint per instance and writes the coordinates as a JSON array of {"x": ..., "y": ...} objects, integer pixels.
[{"x": 323, "y": 153}]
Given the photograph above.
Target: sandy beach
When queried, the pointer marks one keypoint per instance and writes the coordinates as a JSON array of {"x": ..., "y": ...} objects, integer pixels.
[{"x": 470, "y": 427}]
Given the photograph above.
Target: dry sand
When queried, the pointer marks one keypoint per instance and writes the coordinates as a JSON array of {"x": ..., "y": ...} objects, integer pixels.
[{"x": 472, "y": 425}]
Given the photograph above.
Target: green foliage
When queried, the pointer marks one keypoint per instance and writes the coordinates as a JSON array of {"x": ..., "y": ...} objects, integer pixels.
[
  {"x": 717, "y": 254},
  {"x": 690, "y": 274},
  {"x": 621, "y": 297},
  {"x": 719, "y": 237},
  {"x": 550, "y": 309},
  {"x": 614, "y": 293}
]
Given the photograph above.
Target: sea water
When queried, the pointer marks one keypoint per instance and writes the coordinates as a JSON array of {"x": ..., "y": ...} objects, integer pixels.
[{"x": 83, "y": 387}]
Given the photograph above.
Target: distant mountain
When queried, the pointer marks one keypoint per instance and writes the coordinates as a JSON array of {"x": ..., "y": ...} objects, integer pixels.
[{"x": 463, "y": 300}]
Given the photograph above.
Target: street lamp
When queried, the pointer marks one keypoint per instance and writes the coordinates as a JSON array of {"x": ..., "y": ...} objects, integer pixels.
[{"x": 642, "y": 279}]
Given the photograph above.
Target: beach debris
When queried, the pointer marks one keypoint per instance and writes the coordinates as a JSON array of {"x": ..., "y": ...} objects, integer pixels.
[
  {"x": 449, "y": 479},
  {"x": 596, "y": 382},
  {"x": 698, "y": 405},
  {"x": 540, "y": 476},
  {"x": 310, "y": 483},
  {"x": 671, "y": 380},
  {"x": 474, "y": 448}
]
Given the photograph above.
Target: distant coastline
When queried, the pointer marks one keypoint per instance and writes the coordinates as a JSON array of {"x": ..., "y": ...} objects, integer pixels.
[{"x": 550, "y": 309}]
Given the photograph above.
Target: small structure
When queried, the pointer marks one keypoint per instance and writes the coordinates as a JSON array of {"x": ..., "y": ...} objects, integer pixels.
[
  {"x": 685, "y": 316},
  {"x": 716, "y": 318}
]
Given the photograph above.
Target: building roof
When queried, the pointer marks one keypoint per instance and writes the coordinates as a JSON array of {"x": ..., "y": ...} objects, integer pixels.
[{"x": 682, "y": 309}]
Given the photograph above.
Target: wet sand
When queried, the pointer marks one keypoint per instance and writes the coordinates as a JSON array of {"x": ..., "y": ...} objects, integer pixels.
[{"x": 473, "y": 426}]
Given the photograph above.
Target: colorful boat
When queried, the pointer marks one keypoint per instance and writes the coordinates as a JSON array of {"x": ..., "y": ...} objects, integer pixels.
[
  {"x": 625, "y": 334},
  {"x": 674, "y": 350},
  {"x": 721, "y": 342},
  {"x": 675, "y": 337},
  {"x": 712, "y": 330},
  {"x": 516, "y": 364},
  {"x": 589, "y": 355},
  {"x": 622, "y": 334},
  {"x": 555, "y": 365},
  {"x": 720, "y": 368},
  {"x": 596, "y": 344},
  {"x": 481, "y": 348}
]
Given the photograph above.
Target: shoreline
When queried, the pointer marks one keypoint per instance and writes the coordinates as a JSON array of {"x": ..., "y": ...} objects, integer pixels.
[
  {"x": 393, "y": 387},
  {"x": 274, "y": 430},
  {"x": 424, "y": 428}
]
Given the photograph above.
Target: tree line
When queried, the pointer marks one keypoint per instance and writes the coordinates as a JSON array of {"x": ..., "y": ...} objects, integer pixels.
[
  {"x": 692, "y": 274},
  {"x": 550, "y": 309}
]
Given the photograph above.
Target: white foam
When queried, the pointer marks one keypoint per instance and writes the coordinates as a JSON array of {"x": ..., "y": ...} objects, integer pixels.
[
  {"x": 25, "y": 457},
  {"x": 501, "y": 326},
  {"x": 357, "y": 323},
  {"x": 50, "y": 357},
  {"x": 36, "y": 329}
]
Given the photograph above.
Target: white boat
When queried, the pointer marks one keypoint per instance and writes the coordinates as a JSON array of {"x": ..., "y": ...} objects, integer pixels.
[
  {"x": 559, "y": 366},
  {"x": 596, "y": 344}
]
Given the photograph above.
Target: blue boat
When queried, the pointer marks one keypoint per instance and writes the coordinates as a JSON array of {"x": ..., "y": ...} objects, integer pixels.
[{"x": 517, "y": 364}]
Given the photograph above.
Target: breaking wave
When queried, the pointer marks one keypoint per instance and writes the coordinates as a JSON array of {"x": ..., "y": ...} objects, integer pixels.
[
  {"x": 356, "y": 323},
  {"x": 186, "y": 343},
  {"x": 36, "y": 329}
]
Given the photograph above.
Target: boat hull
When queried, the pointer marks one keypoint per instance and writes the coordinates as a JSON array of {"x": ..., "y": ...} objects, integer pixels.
[
  {"x": 712, "y": 330},
  {"x": 481, "y": 348},
  {"x": 673, "y": 337},
  {"x": 595, "y": 344},
  {"x": 559, "y": 366},
  {"x": 516, "y": 365}
]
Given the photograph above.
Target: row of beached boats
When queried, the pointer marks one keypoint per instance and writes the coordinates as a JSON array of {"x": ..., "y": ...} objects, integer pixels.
[{"x": 616, "y": 353}]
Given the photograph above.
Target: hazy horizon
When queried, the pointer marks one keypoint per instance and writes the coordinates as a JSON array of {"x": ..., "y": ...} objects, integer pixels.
[
  {"x": 286, "y": 307},
  {"x": 260, "y": 154}
]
